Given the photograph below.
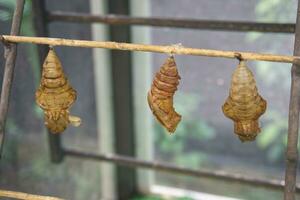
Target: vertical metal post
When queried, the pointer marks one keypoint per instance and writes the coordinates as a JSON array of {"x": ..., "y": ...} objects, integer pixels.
[
  {"x": 10, "y": 56},
  {"x": 292, "y": 150},
  {"x": 122, "y": 102},
  {"x": 41, "y": 29}
]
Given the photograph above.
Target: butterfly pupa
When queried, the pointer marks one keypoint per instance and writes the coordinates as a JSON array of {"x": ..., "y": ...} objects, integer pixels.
[
  {"x": 55, "y": 95},
  {"x": 160, "y": 97},
  {"x": 244, "y": 104}
]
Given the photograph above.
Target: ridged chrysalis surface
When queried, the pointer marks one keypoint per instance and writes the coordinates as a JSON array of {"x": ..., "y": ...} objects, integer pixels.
[
  {"x": 55, "y": 95},
  {"x": 160, "y": 97},
  {"x": 244, "y": 105}
]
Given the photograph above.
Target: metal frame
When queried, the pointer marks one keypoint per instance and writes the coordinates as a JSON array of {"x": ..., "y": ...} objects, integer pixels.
[
  {"x": 41, "y": 28},
  {"x": 104, "y": 107},
  {"x": 293, "y": 124},
  {"x": 115, "y": 19},
  {"x": 57, "y": 156},
  {"x": 170, "y": 168},
  {"x": 141, "y": 81},
  {"x": 10, "y": 55},
  {"x": 121, "y": 71}
]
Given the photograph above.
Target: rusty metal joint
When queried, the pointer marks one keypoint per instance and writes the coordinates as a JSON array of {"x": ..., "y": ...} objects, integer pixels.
[
  {"x": 291, "y": 156},
  {"x": 297, "y": 62},
  {"x": 7, "y": 46}
]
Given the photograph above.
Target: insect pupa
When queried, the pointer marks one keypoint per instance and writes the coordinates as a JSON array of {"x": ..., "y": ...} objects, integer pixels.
[
  {"x": 160, "y": 97},
  {"x": 244, "y": 104},
  {"x": 55, "y": 95}
]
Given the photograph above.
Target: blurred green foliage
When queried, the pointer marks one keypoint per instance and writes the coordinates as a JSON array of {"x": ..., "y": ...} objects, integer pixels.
[
  {"x": 273, "y": 136},
  {"x": 272, "y": 139},
  {"x": 11, "y": 145},
  {"x": 6, "y": 13},
  {"x": 27, "y": 29},
  {"x": 276, "y": 10},
  {"x": 37, "y": 169},
  {"x": 273, "y": 11},
  {"x": 157, "y": 198},
  {"x": 177, "y": 146}
]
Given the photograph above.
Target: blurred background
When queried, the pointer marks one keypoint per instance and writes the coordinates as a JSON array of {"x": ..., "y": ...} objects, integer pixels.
[{"x": 203, "y": 140}]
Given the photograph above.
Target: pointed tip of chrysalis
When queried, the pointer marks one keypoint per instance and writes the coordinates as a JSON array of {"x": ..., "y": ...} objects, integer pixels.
[
  {"x": 169, "y": 67},
  {"x": 52, "y": 65},
  {"x": 242, "y": 63},
  {"x": 170, "y": 62},
  {"x": 52, "y": 60},
  {"x": 51, "y": 56}
]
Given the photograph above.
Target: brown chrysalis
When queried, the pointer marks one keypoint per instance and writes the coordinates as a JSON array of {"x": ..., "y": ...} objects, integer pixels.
[
  {"x": 160, "y": 97},
  {"x": 55, "y": 95},
  {"x": 244, "y": 105}
]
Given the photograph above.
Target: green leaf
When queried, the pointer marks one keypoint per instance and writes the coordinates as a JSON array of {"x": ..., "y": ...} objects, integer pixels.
[
  {"x": 191, "y": 160},
  {"x": 186, "y": 103},
  {"x": 268, "y": 136},
  {"x": 184, "y": 198},
  {"x": 172, "y": 146},
  {"x": 5, "y": 15},
  {"x": 252, "y": 36},
  {"x": 38, "y": 111},
  {"x": 9, "y": 4},
  {"x": 275, "y": 152},
  {"x": 145, "y": 198}
]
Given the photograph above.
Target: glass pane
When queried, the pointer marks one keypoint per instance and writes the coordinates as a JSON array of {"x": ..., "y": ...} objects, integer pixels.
[
  {"x": 26, "y": 165},
  {"x": 204, "y": 139}
]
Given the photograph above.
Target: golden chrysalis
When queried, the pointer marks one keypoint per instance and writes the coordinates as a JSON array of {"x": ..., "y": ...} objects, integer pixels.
[
  {"x": 244, "y": 104},
  {"x": 160, "y": 97},
  {"x": 55, "y": 95}
]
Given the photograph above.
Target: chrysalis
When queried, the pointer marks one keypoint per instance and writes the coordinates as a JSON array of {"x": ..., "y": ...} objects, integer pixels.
[
  {"x": 160, "y": 97},
  {"x": 244, "y": 105},
  {"x": 55, "y": 95}
]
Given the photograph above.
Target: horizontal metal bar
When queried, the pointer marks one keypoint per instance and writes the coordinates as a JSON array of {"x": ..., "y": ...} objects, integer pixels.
[
  {"x": 168, "y": 49},
  {"x": 160, "y": 166},
  {"x": 217, "y": 25}
]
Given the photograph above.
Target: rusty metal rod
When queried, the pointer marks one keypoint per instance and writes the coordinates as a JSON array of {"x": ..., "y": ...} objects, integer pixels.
[
  {"x": 293, "y": 123},
  {"x": 168, "y": 49},
  {"x": 114, "y": 19},
  {"x": 10, "y": 54},
  {"x": 160, "y": 166}
]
